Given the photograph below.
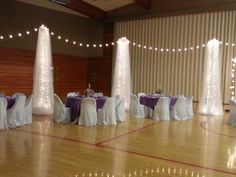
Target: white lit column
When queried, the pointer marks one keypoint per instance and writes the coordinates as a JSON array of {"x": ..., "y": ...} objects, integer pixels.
[
  {"x": 121, "y": 84},
  {"x": 43, "y": 75},
  {"x": 211, "y": 98}
]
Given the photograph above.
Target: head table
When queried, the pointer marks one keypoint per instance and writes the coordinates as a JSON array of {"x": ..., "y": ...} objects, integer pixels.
[
  {"x": 151, "y": 101},
  {"x": 74, "y": 104}
]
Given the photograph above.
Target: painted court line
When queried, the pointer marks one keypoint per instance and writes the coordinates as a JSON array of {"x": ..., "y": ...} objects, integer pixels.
[
  {"x": 203, "y": 125},
  {"x": 125, "y": 134}
]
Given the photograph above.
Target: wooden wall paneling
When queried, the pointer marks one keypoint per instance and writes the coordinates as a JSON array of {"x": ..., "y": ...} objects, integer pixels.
[{"x": 16, "y": 72}]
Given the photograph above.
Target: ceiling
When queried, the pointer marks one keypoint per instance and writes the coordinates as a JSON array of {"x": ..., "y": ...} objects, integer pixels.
[
  {"x": 108, "y": 5},
  {"x": 104, "y": 5}
]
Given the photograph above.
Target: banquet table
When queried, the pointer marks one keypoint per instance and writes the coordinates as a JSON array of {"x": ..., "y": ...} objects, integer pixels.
[
  {"x": 151, "y": 101},
  {"x": 10, "y": 101},
  {"x": 74, "y": 104}
]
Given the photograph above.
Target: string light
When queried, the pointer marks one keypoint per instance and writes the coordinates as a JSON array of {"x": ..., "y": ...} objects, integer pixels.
[
  {"x": 232, "y": 85},
  {"x": 134, "y": 44}
]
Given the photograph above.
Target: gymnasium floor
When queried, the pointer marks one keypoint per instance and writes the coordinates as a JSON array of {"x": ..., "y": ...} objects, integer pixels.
[{"x": 204, "y": 146}]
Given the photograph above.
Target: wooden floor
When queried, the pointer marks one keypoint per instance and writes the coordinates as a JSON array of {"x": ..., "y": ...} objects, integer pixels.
[{"x": 202, "y": 147}]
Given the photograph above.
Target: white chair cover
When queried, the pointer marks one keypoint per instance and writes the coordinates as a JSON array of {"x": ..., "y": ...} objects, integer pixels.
[
  {"x": 141, "y": 94},
  {"x": 18, "y": 94},
  {"x": 61, "y": 113},
  {"x": 161, "y": 110},
  {"x": 232, "y": 113},
  {"x": 189, "y": 107},
  {"x": 120, "y": 110},
  {"x": 15, "y": 115},
  {"x": 178, "y": 111},
  {"x": 136, "y": 109},
  {"x": 71, "y": 94},
  {"x": 117, "y": 99},
  {"x": 88, "y": 112},
  {"x": 28, "y": 110},
  {"x": 107, "y": 115},
  {"x": 3, "y": 115}
]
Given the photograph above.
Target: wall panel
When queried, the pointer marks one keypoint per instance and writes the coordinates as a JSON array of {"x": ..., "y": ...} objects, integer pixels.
[{"x": 177, "y": 72}]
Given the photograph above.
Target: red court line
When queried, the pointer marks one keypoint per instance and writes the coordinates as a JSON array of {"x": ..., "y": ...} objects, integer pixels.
[
  {"x": 212, "y": 131},
  {"x": 130, "y": 152},
  {"x": 125, "y": 134},
  {"x": 165, "y": 159}
]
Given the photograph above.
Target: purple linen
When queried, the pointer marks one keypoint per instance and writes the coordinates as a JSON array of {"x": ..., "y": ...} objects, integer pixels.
[
  {"x": 74, "y": 104},
  {"x": 151, "y": 101},
  {"x": 10, "y": 101}
]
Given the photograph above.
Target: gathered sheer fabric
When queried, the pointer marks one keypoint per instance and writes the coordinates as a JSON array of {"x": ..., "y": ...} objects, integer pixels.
[
  {"x": 43, "y": 75},
  {"x": 3, "y": 115},
  {"x": 121, "y": 84},
  {"x": 211, "y": 98},
  {"x": 232, "y": 113}
]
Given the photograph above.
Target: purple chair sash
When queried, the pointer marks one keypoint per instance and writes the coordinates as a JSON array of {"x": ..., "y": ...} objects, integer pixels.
[{"x": 10, "y": 101}]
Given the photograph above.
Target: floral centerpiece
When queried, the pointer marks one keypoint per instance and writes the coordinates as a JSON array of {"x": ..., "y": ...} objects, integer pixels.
[{"x": 89, "y": 92}]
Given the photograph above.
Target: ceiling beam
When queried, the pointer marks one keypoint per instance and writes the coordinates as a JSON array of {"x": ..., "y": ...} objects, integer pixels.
[
  {"x": 83, "y": 8},
  {"x": 145, "y": 3}
]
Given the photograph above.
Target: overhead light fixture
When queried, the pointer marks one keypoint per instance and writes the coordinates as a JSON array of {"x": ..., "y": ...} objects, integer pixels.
[{"x": 62, "y": 2}]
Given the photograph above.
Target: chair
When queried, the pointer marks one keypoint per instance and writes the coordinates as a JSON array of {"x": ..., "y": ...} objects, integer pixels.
[
  {"x": 161, "y": 110},
  {"x": 15, "y": 115},
  {"x": 178, "y": 111},
  {"x": 120, "y": 110},
  {"x": 117, "y": 99},
  {"x": 232, "y": 113},
  {"x": 107, "y": 115},
  {"x": 3, "y": 116},
  {"x": 136, "y": 109},
  {"x": 189, "y": 107},
  {"x": 28, "y": 110},
  {"x": 61, "y": 113},
  {"x": 18, "y": 94},
  {"x": 141, "y": 94},
  {"x": 71, "y": 94},
  {"x": 88, "y": 112}
]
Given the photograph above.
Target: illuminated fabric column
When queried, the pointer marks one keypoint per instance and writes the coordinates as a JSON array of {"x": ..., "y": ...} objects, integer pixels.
[
  {"x": 211, "y": 99},
  {"x": 43, "y": 77},
  {"x": 121, "y": 84}
]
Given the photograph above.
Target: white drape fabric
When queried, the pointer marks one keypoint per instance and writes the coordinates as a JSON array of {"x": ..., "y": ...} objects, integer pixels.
[
  {"x": 136, "y": 109},
  {"x": 43, "y": 75},
  {"x": 120, "y": 111},
  {"x": 121, "y": 84},
  {"x": 211, "y": 99},
  {"x": 3, "y": 114},
  {"x": 232, "y": 113}
]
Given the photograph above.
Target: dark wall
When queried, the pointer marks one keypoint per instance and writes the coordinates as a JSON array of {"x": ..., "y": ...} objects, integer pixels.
[{"x": 18, "y": 17}]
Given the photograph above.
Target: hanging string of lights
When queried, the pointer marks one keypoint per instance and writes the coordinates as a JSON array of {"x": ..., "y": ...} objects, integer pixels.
[
  {"x": 100, "y": 45},
  {"x": 232, "y": 86}
]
